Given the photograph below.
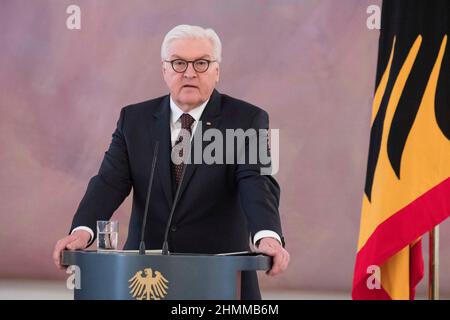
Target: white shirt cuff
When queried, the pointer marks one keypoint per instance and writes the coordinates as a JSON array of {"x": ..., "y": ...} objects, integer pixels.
[
  {"x": 85, "y": 229},
  {"x": 266, "y": 234}
]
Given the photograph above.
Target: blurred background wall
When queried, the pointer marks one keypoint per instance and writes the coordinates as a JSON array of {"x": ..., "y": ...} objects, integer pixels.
[{"x": 309, "y": 63}]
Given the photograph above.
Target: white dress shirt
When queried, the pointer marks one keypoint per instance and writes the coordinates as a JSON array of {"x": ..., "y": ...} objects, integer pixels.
[
  {"x": 175, "y": 122},
  {"x": 175, "y": 127}
]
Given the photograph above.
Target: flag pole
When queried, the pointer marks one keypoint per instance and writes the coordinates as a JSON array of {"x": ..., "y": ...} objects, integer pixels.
[{"x": 433, "y": 264}]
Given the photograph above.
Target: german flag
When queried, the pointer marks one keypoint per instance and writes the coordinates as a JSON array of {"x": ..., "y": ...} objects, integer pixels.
[{"x": 407, "y": 190}]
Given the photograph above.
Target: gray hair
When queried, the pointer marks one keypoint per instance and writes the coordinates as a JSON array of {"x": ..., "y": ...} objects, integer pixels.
[{"x": 184, "y": 31}]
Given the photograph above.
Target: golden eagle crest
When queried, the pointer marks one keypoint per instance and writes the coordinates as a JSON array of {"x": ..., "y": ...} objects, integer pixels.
[{"x": 148, "y": 287}]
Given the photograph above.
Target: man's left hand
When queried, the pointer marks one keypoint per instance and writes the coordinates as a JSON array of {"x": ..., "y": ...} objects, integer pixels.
[{"x": 272, "y": 247}]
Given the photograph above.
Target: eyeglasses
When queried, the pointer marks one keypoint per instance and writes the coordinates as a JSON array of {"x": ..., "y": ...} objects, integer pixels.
[{"x": 180, "y": 65}]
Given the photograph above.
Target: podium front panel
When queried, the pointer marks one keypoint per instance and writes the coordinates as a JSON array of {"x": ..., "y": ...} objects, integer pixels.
[{"x": 128, "y": 275}]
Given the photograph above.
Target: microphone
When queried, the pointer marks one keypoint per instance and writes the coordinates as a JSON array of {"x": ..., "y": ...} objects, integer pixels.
[
  {"x": 165, "y": 247},
  {"x": 150, "y": 182}
]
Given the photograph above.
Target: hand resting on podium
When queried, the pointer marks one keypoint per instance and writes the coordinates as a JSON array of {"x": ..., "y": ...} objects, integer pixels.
[{"x": 79, "y": 239}]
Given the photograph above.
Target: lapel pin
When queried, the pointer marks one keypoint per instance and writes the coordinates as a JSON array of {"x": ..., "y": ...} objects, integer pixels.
[{"x": 208, "y": 123}]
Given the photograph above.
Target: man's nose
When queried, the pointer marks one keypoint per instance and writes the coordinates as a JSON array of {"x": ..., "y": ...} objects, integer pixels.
[{"x": 190, "y": 71}]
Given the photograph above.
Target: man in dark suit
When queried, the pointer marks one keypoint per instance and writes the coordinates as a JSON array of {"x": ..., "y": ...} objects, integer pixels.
[{"x": 222, "y": 207}]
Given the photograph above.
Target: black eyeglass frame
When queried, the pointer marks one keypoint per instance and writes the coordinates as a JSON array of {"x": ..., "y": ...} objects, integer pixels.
[{"x": 187, "y": 64}]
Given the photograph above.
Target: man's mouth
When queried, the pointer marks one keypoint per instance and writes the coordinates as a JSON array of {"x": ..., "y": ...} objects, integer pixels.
[{"x": 189, "y": 86}]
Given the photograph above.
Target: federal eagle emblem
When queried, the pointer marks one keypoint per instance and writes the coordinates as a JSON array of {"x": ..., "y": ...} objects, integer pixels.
[{"x": 147, "y": 286}]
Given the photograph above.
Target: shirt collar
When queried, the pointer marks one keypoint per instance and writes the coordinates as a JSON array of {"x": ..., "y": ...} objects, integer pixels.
[{"x": 176, "y": 112}]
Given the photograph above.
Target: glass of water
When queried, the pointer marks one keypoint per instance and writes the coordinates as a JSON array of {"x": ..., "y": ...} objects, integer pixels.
[{"x": 107, "y": 235}]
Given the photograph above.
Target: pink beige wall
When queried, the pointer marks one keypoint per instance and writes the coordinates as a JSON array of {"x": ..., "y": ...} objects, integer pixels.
[{"x": 310, "y": 64}]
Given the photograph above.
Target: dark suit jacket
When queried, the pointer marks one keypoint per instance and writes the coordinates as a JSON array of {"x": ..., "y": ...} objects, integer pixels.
[{"x": 220, "y": 205}]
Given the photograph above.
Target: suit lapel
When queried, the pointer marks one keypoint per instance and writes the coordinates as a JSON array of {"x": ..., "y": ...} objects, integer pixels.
[
  {"x": 162, "y": 134},
  {"x": 210, "y": 119}
]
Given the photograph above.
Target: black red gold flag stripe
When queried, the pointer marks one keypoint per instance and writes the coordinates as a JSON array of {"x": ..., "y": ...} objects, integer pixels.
[{"x": 407, "y": 190}]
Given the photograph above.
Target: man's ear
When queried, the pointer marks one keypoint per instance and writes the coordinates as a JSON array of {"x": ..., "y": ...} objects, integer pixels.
[
  {"x": 163, "y": 68},
  {"x": 217, "y": 73}
]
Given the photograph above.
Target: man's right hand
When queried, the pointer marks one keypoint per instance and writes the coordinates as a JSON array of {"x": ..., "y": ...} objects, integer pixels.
[{"x": 77, "y": 240}]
